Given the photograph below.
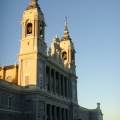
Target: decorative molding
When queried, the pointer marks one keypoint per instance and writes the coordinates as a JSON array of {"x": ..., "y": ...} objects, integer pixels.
[{"x": 41, "y": 107}]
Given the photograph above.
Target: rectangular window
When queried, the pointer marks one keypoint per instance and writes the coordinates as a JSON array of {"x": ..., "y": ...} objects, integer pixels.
[
  {"x": 27, "y": 80},
  {"x": 10, "y": 101}
]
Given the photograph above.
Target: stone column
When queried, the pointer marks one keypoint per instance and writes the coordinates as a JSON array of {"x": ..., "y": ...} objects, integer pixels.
[
  {"x": 23, "y": 29},
  {"x": 64, "y": 114},
  {"x": 45, "y": 77},
  {"x": 3, "y": 73},
  {"x": 35, "y": 109},
  {"x": 54, "y": 83},
  {"x": 45, "y": 111},
  {"x": 76, "y": 89},
  {"x": 36, "y": 28},
  {"x": 60, "y": 114},
  {"x": 15, "y": 74},
  {"x": 55, "y": 113},
  {"x": 70, "y": 56},
  {"x": 71, "y": 114},
  {"x": 59, "y": 84},
  {"x": 67, "y": 114},
  {"x": 33, "y": 28},
  {"x": 70, "y": 88},
  {"x": 50, "y": 113},
  {"x": 50, "y": 79},
  {"x": 63, "y": 86},
  {"x": 66, "y": 87},
  {"x": 20, "y": 76}
]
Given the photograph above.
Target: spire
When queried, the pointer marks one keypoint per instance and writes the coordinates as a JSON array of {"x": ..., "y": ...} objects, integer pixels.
[
  {"x": 33, "y": 4},
  {"x": 66, "y": 32}
]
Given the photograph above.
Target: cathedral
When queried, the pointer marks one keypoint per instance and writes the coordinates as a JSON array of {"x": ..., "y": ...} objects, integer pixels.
[{"x": 43, "y": 85}]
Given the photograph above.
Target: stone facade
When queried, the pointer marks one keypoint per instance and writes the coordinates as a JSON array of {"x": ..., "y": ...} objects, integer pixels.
[{"x": 43, "y": 86}]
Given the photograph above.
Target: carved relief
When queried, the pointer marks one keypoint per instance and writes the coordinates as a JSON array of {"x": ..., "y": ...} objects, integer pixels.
[
  {"x": 41, "y": 107},
  {"x": 9, "y": 79},
  {"x": 76, "y": 114},
  {"x": 40, "y": 65},
  {"x": 27, "y": 63}
]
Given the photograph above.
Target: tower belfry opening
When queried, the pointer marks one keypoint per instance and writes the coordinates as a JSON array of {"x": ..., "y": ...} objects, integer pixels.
[{"x": 29, "y": 28}]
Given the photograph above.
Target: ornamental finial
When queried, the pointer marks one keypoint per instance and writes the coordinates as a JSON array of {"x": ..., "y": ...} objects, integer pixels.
[
  {"x": 65, "y": 20},
  {"x": 66, "y": 29}
]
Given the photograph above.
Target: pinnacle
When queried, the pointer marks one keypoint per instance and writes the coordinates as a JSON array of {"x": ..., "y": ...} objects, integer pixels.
[{"x": 66, "y": 33}]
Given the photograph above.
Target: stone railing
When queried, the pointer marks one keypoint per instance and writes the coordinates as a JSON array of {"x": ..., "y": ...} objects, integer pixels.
[
  {"x": 61, "y": 65},
  {"x": 84, "y": 109},
  {"x": 10, "y": 85},
  {"x": 49, "y": 93},
  {"x": 6, "y": 108}
]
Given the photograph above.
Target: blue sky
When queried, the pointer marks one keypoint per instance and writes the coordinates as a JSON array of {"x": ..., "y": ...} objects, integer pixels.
[{"x": 94, "y": 26}]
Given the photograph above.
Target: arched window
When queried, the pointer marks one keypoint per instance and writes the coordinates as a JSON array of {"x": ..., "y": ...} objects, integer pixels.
[
  {"x": 64, "y": 55},
  {"x": 29, "y": 28}
]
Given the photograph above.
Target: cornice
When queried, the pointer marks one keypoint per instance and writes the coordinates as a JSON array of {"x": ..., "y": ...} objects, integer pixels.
[{"x": 28, "y": 53}]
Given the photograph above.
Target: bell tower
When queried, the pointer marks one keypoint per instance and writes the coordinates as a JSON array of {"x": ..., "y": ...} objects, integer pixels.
[
  {"x": 31, "y": 44},
  {"x": 33, "y": 28},
  {"x": 68, "y": 50}
]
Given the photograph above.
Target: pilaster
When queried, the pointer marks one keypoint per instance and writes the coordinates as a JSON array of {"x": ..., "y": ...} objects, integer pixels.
[
  {"x": 45, "y": 76},
  {"x": 50, "y": 112},
  {"x": 66, "y": 87},
  {"x": 35, "y": 109},
  {"x": 45, "y": 111},
  {"x": 55, "y": 113},
  {"x": 67, "y": 114},
  {"x": 36, "y": 28},
  {"x": 50, "y": 79},
  {"x": 54, "y": 81},
  {"x": 63, "y": 86},
  {"x": 60, "y": 113},
  {"x": 3, "y": 73},
  {"x": 63, "y": 114},
  {"x": 59, "y": 80}
]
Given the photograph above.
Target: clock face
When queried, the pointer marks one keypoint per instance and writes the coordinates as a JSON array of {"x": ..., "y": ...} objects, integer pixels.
[{"x": 9, "y": 79}]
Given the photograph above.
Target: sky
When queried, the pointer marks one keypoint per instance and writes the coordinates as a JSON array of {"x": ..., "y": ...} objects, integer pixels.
[{"x": 94, "y": 26}]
